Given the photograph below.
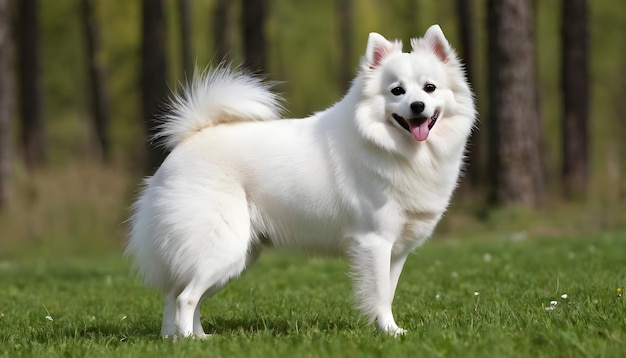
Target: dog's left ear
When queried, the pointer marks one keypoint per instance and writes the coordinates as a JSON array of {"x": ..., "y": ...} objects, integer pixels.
[{"x": 437, "y": 42}]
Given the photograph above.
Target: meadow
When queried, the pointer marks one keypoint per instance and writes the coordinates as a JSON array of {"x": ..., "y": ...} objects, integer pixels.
[
  {"x": 492, "y": 282},
  {"x": 515, "y": 283}
]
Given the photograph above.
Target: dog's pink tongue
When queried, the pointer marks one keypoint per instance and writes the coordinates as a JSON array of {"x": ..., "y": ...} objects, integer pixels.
[{"x": 420, "y": 133}]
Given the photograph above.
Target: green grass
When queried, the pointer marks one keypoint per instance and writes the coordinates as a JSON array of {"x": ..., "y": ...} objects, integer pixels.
[{"x": 289, "y": 305}]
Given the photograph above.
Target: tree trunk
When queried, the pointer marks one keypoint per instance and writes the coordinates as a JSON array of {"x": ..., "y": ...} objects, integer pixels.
[
  {"x": 467, "y": 36},
  {"x": 30, "y": 98},
  {"x": 346, "y": 68},
  {"x": 153, "y": 76},
  {"x": 222, "y": 29},
  {"x": 515, "y": 127},
  {"x": 99, "y": 97},
  {"x": 254, "y": 13},
  {"x": 184, "y": 12},
  {"x": 575, "y": 87},
  {"x": 6, "y": 101}
]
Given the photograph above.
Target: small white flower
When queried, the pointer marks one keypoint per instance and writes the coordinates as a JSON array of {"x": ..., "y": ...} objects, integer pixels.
[
  {"x": 564, "y": 296},
  {"x": 552, "y": 306},
  {"x": 437, "y": 297},
  {"x": 49, "y": 316},
  {"x": 476, "y": 293}
]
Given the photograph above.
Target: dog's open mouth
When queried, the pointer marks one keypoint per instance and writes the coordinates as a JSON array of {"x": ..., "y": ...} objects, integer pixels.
[{"x": 419, "y": 127}]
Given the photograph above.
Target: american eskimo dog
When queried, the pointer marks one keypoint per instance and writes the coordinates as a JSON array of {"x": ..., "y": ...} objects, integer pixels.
[{"x": 369, "y": 177}]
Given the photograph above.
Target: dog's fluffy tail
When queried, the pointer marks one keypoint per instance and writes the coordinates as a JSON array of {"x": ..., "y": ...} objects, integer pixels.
[{"x": 217, "y": 96}]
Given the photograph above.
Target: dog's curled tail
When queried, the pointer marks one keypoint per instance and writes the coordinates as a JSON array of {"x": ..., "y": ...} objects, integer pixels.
[{"x": 219, "y": 95}]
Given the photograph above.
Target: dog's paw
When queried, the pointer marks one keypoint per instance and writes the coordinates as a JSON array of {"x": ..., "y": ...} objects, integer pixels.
[
  {"x": 175, "y": 337},
  {"x": 200, "y": 336},
  {"x": 395, "y": 331},
  {"x": 398, "y": 332},
  {"x": 392, "y": 329}
]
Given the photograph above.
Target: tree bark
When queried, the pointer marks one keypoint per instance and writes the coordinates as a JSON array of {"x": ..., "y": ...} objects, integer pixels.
[
  {"x": 575, "y": 87},
  {"x": 515, "y": 143},
  {"x": 30, "y": 95},
  {"x": 153, "y": 76},
  {"x": 222, "y": 30},
  {"x": 346, "y": 68},
  {"x": 467, "y": 35},
  {"x": 99, "y": 96},
  {"x": 184, "y": 12},
  {"x": 6, "y": 101},
  {"x": 254, "y": 13}
]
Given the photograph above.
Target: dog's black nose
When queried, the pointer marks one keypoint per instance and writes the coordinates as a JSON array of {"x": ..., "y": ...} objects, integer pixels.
[{"x": 417, "y": 107}]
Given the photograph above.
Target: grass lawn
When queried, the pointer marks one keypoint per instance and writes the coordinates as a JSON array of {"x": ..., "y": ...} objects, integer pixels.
[{"x": 489, "y": 297}]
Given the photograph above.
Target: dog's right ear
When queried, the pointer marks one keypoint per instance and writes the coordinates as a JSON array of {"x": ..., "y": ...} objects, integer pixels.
[
  {"x": 437, "y": 42},
  {"x": 378, "y": 48}
]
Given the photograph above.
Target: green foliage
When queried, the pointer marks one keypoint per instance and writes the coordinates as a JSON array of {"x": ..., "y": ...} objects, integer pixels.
[
  {"x": 303, "y": 56},
  {"x": 470, "y": 298}
]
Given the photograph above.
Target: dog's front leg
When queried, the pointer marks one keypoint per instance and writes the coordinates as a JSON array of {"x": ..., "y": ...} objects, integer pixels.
[
  {"x": 397, "y": 263},
  {"x": 371, "y": 271}
]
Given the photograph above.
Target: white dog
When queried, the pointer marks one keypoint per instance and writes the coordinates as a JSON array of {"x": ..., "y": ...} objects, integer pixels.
[{"x": 369, "y": 177}]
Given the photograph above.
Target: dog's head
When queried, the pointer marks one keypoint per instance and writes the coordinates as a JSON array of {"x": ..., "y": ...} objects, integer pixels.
[{"x": 412, "y": 94}]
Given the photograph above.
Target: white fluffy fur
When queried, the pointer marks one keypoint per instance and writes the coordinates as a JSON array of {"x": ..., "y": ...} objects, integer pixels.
[
  {"x": 348, "y": 180},
  {"x": 215, "y": 97}
]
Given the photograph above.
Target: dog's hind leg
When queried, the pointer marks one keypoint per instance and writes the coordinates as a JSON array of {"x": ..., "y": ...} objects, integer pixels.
[
  {"x": 197, "y": 324},
  {"x": 216, "y": 251},
  {"x": 198, "y": 331},
  {"x": 170, "y": 311},
  {"x": 187, "y": 306},
  {"x": 252, "y": 255},
  {"x": 168, "y": 327},
  {"x": 188, "y": 321}
]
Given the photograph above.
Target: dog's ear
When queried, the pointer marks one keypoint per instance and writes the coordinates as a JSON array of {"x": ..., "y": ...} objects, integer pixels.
[
  {"x": 437, "y": 43},
  {"x": 378, "y": 48}
]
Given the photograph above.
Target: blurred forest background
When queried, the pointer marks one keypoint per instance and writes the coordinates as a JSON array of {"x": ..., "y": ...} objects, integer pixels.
[{"x": 82, "y": 80}]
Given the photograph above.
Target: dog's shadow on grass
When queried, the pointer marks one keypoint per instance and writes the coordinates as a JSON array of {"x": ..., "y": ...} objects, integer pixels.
[
  {"x": 116, "y": 335},
  {"x": 249, "y": 326},
  {"x": 275, "y": 325}
]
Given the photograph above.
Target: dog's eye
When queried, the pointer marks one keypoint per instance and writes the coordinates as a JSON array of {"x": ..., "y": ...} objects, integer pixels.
[
  {"x": 429, "y": 87},
  {"x": 397, "y": 91}
]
